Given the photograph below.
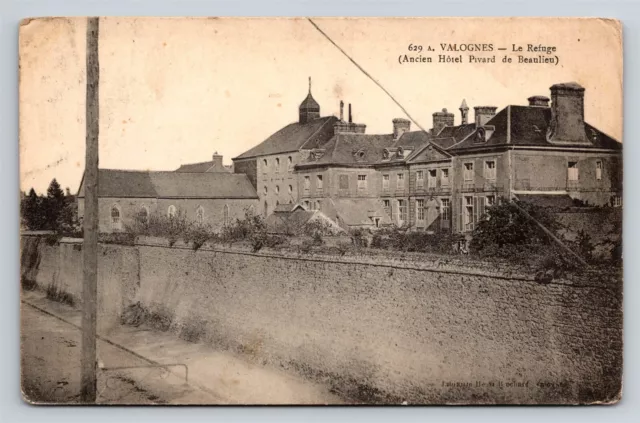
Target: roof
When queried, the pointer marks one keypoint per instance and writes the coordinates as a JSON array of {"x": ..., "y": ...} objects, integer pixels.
[
  {"x": 294, "y": 223},
  {"x": 293, "y": 137},
  {"x": 160, "y": 184},
  {"x": 286, "y": 208},
  {"x": 450, "y": 135},
  {"x": 528, "y": 127},
  {"x": 310, "y": 103},
  {"x": 558, "y": 201},
  {"x": 360, "y": 211},
  {"x": 352, "y": 149},
  {"x": 203, "y": 167}
]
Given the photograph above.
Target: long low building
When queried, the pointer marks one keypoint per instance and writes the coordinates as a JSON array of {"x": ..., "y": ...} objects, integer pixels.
[{"x": 211, "y": 198}]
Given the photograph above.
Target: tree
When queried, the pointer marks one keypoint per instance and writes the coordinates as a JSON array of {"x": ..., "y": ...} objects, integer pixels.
[
  {"x": 33, "y": 217},
  {"x": 505, "y": 228},
  {"x": 55, "y": 205}
]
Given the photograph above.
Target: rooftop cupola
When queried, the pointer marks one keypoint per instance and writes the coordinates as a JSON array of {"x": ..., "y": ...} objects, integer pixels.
[{"x": 309, "y": 109}]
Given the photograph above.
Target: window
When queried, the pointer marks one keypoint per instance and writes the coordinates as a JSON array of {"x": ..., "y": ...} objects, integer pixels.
[
  {"x": 290, "y": 189},
  {"x": 402, "y": 212},
  {"x": 431, "y": 182},
  {"x": 265, "y": 166},
  {"x": 617, "y": 201},
  {"x": 385, "y": 182},
  {"x": 446, "y": 209},
  {"x": 468, "y": 171},
  {"x": 277, "y": 189},
  {"x": 289, "y": 164},
  {"x": 400, "y": 181},
  {"x": 344, "y": 182},
  {"x": 115, "y": 217},
  {"x": 171, "y": 211},
  {"x": 265, "y": 190},
  {"x": 266, "y": 209},
  {"x": 319, "y": 204},
  {"x": 307, "y": 183},
  {"x": 490, "y": 170},
  {"x": 386, "y": 204},
  {"x": 490, "y": 200},
  {"x": 306, "y": 204},
  {"x": 277, "y": 165},
  {"x": 420, "y": 209},
  {"x": 572, "y": 168},
  {"x": 420, "y": 179},
  {"x": 362, "y": 182},
  {"x": 599, "y": 170},
  {"x": 143, "y": 215},
  {"x": 200, "y": 214},
  {"x": 444, "y": 177},
  {"x": 225, "y": 215},
  {"x": 319, "y": 182},
  {"x": 468, "y": 213}
]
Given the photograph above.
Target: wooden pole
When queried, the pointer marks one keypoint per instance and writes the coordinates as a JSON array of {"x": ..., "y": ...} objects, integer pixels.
[{"x": 90, "y": 245}]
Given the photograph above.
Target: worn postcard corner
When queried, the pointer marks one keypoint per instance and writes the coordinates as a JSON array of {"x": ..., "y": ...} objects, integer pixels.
[{"x": 321, "y": 210}]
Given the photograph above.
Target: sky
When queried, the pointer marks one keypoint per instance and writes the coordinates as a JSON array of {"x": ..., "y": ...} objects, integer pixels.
[{"x": 176, "y": 90}]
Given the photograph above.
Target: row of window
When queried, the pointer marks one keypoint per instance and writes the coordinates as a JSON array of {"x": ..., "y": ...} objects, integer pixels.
[
  {"x": 172, "y": 211},
  {"x": 573, "y": 173},
  {"x": 290, "y": 189},
  {"x": 265, "y": 164},
  {"x": 489, "y": 171}
]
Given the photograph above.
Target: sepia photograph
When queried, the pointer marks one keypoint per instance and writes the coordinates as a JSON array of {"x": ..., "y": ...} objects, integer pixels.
[{"x": 321, "y": 211}]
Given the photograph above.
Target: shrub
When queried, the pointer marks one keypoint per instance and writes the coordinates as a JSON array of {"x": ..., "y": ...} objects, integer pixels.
[
  {"x": 306, "y": 246},
  {"x": 343, "y": 247},
  {"x": 28, "y": 284},
  {"x": 193, "y": 329},
  {"x": 274, "y": 241},
  {"x": 506, "y": 226},
  {"x": 55, "y": 293},
  {"x": 359, "y": 239},
  {"x": 317, "y": 239}
]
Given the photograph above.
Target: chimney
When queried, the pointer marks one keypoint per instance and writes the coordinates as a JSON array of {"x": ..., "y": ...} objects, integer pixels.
[
  {"x": 67, "y": 192},
  {"x": 484, "y": 114},
  {"x": 464, "y": 112},
  {"x": 400, "y": 126},
  {"x": 538, "y": 101},
  {"x": 442, "y": 119},
  {"x": 341, "y": 110},
  {"x": 217, "y": 160},
  {"x": 342, "y": 127},
  {"x": 567, "y": 114}
]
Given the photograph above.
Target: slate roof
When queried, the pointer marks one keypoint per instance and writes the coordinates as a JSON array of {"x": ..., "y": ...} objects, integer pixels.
[
  {"x": 352, "y": 149},
  {"x": 310, "y": 103},
  {"x": 358, "y": 211},
  {"x": 529, "y": 128},
  {"x": 450, "y": 135},
  {"x": 202, "y": 167},
  {"x": 293, "y": 137},
  {"x": 154, "y": 184}
]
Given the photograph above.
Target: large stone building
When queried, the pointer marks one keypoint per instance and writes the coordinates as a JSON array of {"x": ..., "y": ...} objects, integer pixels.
[
  {"x": 443, "y": 179},
  {"x": 270, "y": 164},
  {"x": 212, "y": 198}
]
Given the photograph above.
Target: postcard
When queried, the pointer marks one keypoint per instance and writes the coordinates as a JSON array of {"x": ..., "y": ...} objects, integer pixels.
[{"x": 397, "y": 211}]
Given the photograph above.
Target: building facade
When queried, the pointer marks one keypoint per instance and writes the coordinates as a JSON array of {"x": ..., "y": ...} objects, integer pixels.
[
  {"x": 210, "y": 198},
  {"x": 443, "y": 179}
]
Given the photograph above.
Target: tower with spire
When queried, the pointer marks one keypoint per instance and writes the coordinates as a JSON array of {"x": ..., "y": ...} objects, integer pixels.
[
  {"x": 309, "y": 108},
  {"x": 464, "y": 111}
]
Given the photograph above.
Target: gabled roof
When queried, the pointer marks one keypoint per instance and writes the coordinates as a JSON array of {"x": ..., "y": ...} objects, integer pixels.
[
  {"x": 527, "y": 126},
  {"x": 160, "y": 184},
  {"x": 293, "y": 137},
  {"x": 203, "y": 167},
  {"x": 352, "y": 149}
]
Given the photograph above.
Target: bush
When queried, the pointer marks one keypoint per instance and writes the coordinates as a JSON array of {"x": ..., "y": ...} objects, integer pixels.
[
  {"x": 343, "y": 247},
  {"x": 55, "y": 293},
  {"x": 506, "y": 227},
  {"x": 359, "y": 239}
]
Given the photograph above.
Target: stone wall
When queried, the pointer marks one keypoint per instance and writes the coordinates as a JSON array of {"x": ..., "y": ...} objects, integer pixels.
[{"x": 378, "y": 329}]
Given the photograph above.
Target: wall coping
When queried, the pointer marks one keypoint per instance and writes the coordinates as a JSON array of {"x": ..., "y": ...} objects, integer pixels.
[{"x": 430, "y": 264}]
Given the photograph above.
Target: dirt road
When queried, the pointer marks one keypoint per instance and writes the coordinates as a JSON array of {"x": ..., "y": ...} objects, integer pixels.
[{"x": 51, "y": 369}]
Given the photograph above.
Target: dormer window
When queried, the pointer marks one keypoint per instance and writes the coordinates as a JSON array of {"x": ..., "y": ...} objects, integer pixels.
[{"x": 385, "y": 154}]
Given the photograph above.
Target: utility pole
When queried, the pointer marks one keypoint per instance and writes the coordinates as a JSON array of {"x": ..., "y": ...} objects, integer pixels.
[{"x": 90, "y": 224}]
